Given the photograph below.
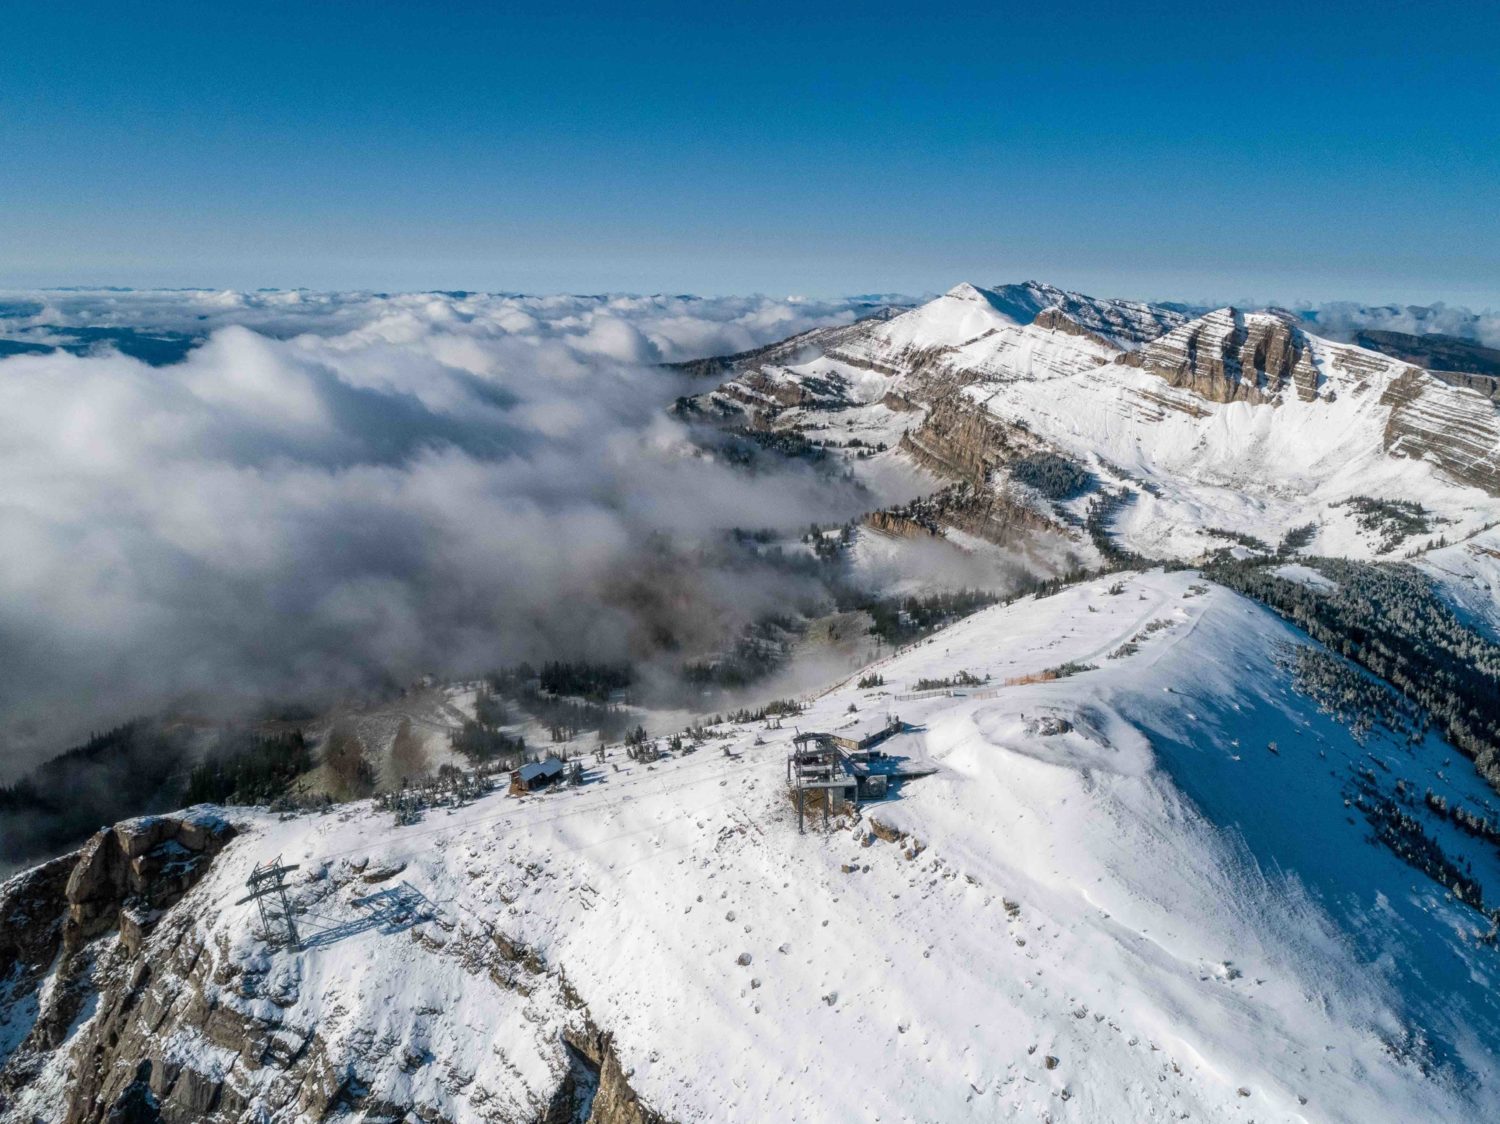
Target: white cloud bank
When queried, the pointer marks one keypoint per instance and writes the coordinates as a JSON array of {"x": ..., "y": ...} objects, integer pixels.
[
  {"x": 1345, "y": 319},
  {"x": 335, "y": 488}
]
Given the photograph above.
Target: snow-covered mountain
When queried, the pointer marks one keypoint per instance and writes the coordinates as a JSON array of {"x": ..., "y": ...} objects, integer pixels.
[
  {"x": 1152, "y": 853},
  {"x": 1141, "y": 881},
  {"x": 1231, "y": 426}
]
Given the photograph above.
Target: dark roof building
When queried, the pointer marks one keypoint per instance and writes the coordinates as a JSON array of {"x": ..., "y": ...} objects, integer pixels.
[{"x": 535, "y": 775}]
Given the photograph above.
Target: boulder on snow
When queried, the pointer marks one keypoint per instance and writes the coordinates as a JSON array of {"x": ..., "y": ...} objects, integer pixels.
[
  {"x": 138, "y": 836},
  {"x": 383, "y": 873}
]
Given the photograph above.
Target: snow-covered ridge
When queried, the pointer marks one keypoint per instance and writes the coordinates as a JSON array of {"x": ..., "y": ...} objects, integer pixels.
[
  {"x": 967, "y": 315},
  {"x": 1234, "y": 421},
  {"x": 1136, "y": 892}
]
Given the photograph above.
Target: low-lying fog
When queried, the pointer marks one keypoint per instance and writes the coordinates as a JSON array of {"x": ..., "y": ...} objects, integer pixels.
[{"x": 333, "y": 491}]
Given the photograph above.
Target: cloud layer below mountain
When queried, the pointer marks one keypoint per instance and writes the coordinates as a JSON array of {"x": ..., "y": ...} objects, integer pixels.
[
  {"x": 1344, "y": 319},
  {"x": 332, "y": 490}
]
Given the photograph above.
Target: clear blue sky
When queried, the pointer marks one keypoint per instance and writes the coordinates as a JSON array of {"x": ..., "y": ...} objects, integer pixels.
[{"x": 1288, "y": 151}]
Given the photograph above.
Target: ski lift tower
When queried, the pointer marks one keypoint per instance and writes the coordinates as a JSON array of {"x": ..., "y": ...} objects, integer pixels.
[{"x": 267, "y": 884}]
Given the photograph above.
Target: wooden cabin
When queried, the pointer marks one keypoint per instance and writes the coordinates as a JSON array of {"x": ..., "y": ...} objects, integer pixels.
[{"x": 535, "y": 775}]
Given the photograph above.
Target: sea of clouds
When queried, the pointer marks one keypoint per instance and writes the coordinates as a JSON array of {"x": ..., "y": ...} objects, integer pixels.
[{"x": 336, "y": 489}]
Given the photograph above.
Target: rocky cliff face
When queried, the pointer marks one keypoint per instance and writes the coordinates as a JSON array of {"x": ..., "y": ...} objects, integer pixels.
[
  {"x": 1056, "y": 320},
  {"x": 268, "y": 1066},
  {"x": 120, "y": 885},
  {"x": 613, "y": 1101},
  {"x": 1233, "y": 356},
  {"x": 959, "y": 441},
  {"x": 1444, "y": 355},
  {"x": 1456, "y": 429},
  {"x": 992, "y": 514},
  {"x": 1120, "y": 324},
  {"x": 125, "y": 997},
  {"x": 126, "y": 877},
  {"x": 901, "y": 524}
]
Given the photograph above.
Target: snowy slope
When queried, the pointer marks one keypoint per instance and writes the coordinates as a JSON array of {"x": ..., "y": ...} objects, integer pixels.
[
  {"x": 1468, "y": 575},
  {"x": 1167, "y": 911},
  {"x": 1234, "y": 421},
  {"x": 1255, "y": 468}
]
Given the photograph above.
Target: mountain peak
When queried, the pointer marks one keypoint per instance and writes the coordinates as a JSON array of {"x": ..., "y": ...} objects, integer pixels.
[{"x": 967, "y": 291}]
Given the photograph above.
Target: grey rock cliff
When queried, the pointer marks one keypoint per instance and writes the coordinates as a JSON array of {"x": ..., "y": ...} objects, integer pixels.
[{"x": 1233, "y": 356}]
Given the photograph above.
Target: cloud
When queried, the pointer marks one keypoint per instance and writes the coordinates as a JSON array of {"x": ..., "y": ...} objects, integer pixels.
[
  {"x": 1344, "y": 319},
  {"x": 678, "y": 327},
  {"x": 335, "y": 490}
]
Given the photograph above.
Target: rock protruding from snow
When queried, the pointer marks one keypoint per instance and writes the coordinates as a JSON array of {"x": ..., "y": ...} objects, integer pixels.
[
  {"x": 1056, "y": 319},
  {"x": 1120, "y": 324},
  {"x": 1457, "y": 428},
  {"x": 1177, "y": 898},
  {"x": 126, "y": 875},
  {"x": 1234, "y": 356},
  {"x": 1233, "y": 422}
]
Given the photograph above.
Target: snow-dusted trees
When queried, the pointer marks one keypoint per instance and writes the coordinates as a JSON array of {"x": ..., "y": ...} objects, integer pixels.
[
  {"x": 1389, "y": 619},
  {"x": 1054, "y": 476},
  {"x": 1350, "y": 695},
  {"x": 247, "y": 768},
  {"x": 1096, "y": 520},
  {"x": 1394, "y": 521}
]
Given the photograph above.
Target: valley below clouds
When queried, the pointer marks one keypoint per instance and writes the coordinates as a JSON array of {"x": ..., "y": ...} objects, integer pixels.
[{"x": 327, "y": 492}]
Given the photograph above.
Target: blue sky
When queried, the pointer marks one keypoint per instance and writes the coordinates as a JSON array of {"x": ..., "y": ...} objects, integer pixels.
[{"x": 1269, "y": 151}]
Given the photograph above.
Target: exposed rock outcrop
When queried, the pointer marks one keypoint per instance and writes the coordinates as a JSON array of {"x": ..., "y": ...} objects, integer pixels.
[
  {"x": 908, "y": 361},
  {"x": 899, "y": 403},
  {"x": 120, "y": 883},
  {"x": 1233, "y": 356},
  {"x": 125, "y": 876},
  {"x": 31, "y": 916},
  {"x": 614, "y": 1101},
  {"x": 900, "y": 526},
  {"x": 266, "y": 1063},
  {"x": 962, "y": 441},
  {"x": 1456, "y": 429},
  {"x": 137, "y": 1104},
  {"x": 1443, "y": 355},
  {"x": 1118, "y": 324},
  {"x": 995, "y": 516},
  {"x": 987, "y": 513},
  {"x": 1056, "y": 320},
  {"x": 163, "y": 1024},
  {"x": 1487, "y": 386}
]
